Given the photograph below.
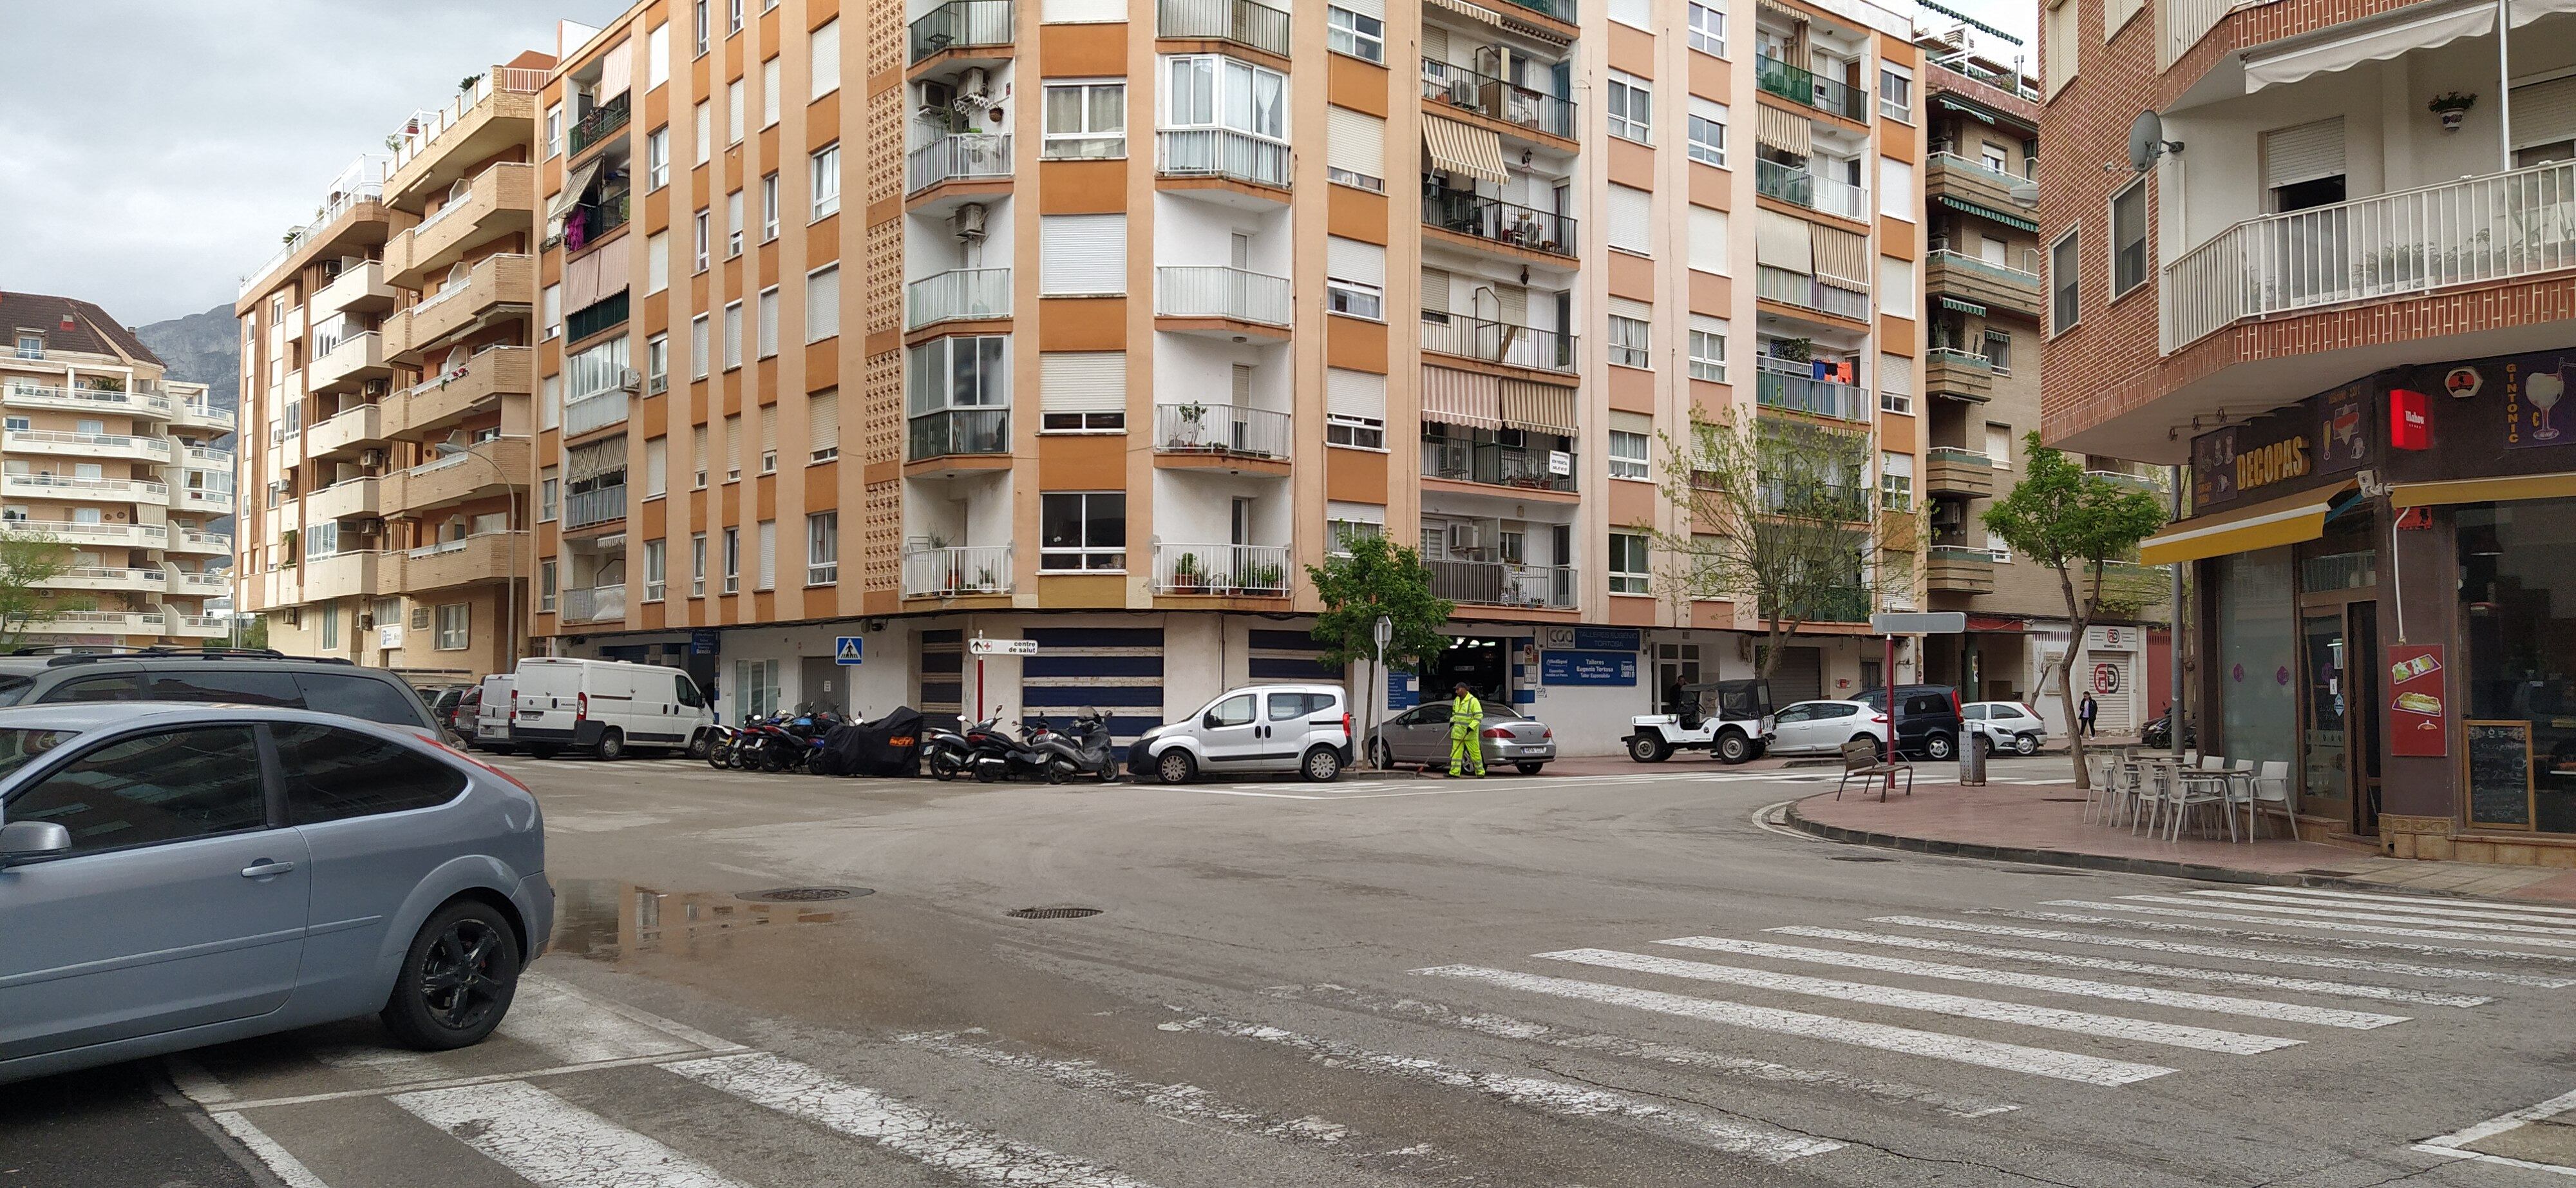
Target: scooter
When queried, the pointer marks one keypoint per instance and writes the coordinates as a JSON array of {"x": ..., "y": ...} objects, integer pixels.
[
  {"x": 2159, "y": 733},
  {"x": 1086, "y": 749},
  {"x": 995, "y": 755},
  {"x": 946, "y": 753},
  {"x": 720, "y": 746}
]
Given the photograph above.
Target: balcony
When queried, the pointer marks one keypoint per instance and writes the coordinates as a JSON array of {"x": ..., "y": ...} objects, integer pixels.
[
  {"x": 203, "y": 501},
  {"x": 1824, "y": 295},
  {"x": 350, "y": 429},
  {"x": 1949, "y": 175},
  {"x": 2009, "y": 83},
  {"x": 2477, "y": 230},
  {"x": 594, "y": 412},
  {"x": 2152, "y": 484},
  {"x": 98, "y": 623},
  {"x": 65, "y": 488},
  {"x": 1800, "y": 392},
  {"x": 1499, "y": 342},
  {"x": 599, "y": 505},
  {"x": 596, "y": 127},
  {"x": 61, "y": 443},
  {"x": 1222, "y": 432},
  {"x": 496, "y": 281},
  {"x": 216, "y": 584},
  {"x": 1222, "y": 153},
  {"x": 500, "y": 201},
  {"x": 1221, "y": 570},
  {"x": 1958, "y": 374},
  {"x": 490, "y": 468},
  {"x": 183, "y": 626},
  {"x": 591, "y": 221},
  {"x": 116, "y": 402},
  {"x": 1952, "y": 569},
  {"x": 1804, "y": 86},
  {"x": 195, "y": 414},
  {"x": 350, "y": 575},
  {"x": 1806, "y": 500},
  {"x": 434, "y": 148},
  {"x": 346, "y": 499},
  {"x": 956, "y": 432},
  {"x": 200, "y": 542},
  {"x": 963, "y": 156},
  {"x": 956, "y": 571},
  {"x": 207, "y": 458},
  {"x": 360, "y": 288},
  {"x": 957, "y": 295},
  {"x": 482, "y": 557},
  {"x": 1562, "y": 10},
  {"x": 1222, "y": 293},
  {"x": 1463, "y": 212},
  {"x": 1992, "y": 285},
  {"x": 960, "y": 25},
  {"x": 94, "y": 577},
  {"x": 1252, "y": 26},
  {"x": 347, "y": 361},
  {"x": 594, "y": 604},
  {"x": 1461, "y": 460},
  {"x": 1800, "y": 187},
  {"x": 357, "y": 197},
  {"x": 1948, "y": 470},
  {"x": 139, "y": 536},
  {"x": 441, "y": 400},
  {"x": 1503, "y": 583},
  {"x": 1497, "y": 99}
]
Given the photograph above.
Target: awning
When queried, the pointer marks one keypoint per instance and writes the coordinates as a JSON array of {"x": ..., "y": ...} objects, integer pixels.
[
  {"x": 1468, "y": 398},
  {"x": 1986, "y": 212},
  {"x": 1472, "y": 12},
  {"x": 1970, "y": 308},
  {"x": 2527, "y": 486},
  {"x": 1458, "y": 148},
  {"x": 1996, "y": 623},
  {"x": 1841, "y": 254},
  {"x": 2282, "y": 521},
  {"x": 2398, "y": 33},
  {"x": 1782, "y": 242},
  {"x": 1788, "y": 133},
  {"x": 574, "y": 186},
  {"x": 617, "y": 71},
  {"x": 1965, "y": 109},
  {"x": 1547, "y": 408}
]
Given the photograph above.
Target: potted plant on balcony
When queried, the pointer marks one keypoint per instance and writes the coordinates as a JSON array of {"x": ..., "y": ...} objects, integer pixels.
[
  {"x": 1186, "y": 574},
  {"x": 2453, "y": 107},
  {"x": 1268, "y": 577},
  {"x": 985, "y": 582},
  {"x": 1193, "y": 428}
]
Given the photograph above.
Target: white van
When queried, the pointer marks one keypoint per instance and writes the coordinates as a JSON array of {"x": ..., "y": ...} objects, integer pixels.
[
  {"x": 490, "y": 729},
  {"x": 606, "y": 707},
  {"x": 1259, "y": 728}
]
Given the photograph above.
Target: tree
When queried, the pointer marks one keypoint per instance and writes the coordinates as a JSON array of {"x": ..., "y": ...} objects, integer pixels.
[
  {"x": 27, "y": 561},
  {"x": 1375, "y": 579},
  {"x": 2077, "y": 524},
  {"x": 1781, "y": 516}
]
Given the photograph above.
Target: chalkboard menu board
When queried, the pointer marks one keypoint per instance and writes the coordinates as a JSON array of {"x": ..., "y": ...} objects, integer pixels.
[{"x": 2499, "y": 766}]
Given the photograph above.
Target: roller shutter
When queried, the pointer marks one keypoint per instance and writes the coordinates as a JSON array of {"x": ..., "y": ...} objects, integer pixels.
[{"x": 1116, "y": 670}]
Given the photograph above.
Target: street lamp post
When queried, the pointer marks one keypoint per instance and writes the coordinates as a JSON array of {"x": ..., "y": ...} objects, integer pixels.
[{"x": 452, "y": 447}]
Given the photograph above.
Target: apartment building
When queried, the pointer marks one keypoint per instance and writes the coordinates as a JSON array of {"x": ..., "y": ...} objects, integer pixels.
[
  {"x": 1031, "y": 321},
  {"x": 101, "y": 453},
  {"x": 387, "y": 357},
  {"x": 2320, "y": 254}
]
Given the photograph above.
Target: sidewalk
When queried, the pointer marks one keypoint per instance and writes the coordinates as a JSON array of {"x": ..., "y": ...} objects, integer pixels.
[{"x": 2045, "y": 825}]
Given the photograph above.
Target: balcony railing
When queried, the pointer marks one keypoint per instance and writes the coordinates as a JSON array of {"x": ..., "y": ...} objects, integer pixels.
[
  {"x": 200, "y": 540},
  {"x": 1256, "y": 571},
  {"x": 590, "y": 221},
  {"x": 958, "y": 294},
  {"x": 424, "y": 129},
  {"x": 955, "y": 431},
  {"x": 1503, "y": 583},
  {"x": 200, "y": 413},
  {"x": 1499, "y": 99},
  {"x": 2180, "y": 24},
  {"x": 948, "y": 571},
  {"x": 22, "y": 394},
  {"x": 1815, "y": 501},
  {"x": 1953, "y": 162},
  {"x": 362, "y": 181},
  {"x": 593, "y": 604},
  {"x": 1221, "y": 152},
  {"x": 1822, "y": 294},
  {"x": 1242, "y": 22},
  {"x": 1958, "y": 456},
  {"x": 1999, "y": 273},
  {"x": 2490, "y": 228},
  {"x": 1788, "y": 183},
  {"x": 961, "y": 24},
  {"x": 62, "y": 486},
  {"x": 1461, "y": 460},
  {"x": 1468, "y": 213},
  {"x": 598, "y": 410},
  {"x": 1227, "y": 429},
  {"x": 148, "y": 535},
  {"x": 1805, "y": 86},
  {"x": 157, "y": 448},
  {"x": 2005, "y": 81},
  {"x": 596, "y": 506},
  {"x": 1796, "y": 391},
  {"x": 1562, "y": 10},
  {"x": 1216, "y": 291},
  {"x": 1942, "y": 356},
  {"x": 597, "y": 126},
  {"x": 961, "y": 156},
  {"x": 1498, "y": 342}
]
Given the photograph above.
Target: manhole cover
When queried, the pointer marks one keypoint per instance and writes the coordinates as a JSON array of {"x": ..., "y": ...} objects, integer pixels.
[
  {"x": 804, "y": 894},
  {"x": 1862, "y": 858},
  {"x": 2334, "y": 874},
  {"x": 1052, "y": 913}
]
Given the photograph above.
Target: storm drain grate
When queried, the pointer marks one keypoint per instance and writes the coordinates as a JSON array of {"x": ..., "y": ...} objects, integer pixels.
[
  {"x": 804, "y": 894},
  {"x": 1052, "y": 913},
  {"x": 1862, "y": 858}
]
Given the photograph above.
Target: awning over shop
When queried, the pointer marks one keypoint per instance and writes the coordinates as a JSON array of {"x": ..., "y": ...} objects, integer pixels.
[
  {"x": 1970, "y": 308},
  {"x": 2485, "y": 490},
  {"x": 2282, "y": 521},
  {"x": 1547, "y": 408},
  {"x": 1986, "y": 212},
  {"x": 1469, "y": 398},
  {"x": 1457, "y": 148},
  {"x": 2398, "y": 34}
]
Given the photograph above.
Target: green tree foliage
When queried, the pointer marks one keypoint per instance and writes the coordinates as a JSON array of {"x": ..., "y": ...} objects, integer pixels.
[
  {"x": 27, "y": 561},
  {"x": 1378, "y": 577}
]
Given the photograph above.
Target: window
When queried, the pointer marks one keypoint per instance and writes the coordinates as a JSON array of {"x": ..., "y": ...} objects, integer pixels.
[
  {"x": 732, "y": 560},
  {"x": 1361, "y": 433},
  {"x": 657, "y": 56},
  {"x": 1895, "y": 384},
  {"x": 550, "y": 309},
  {"x": 1631, "y": 103},
  {"x": 1708, "y": 348},
  {"x": 769, "y": 206},
  {"x": 698, "y": 563},
  {"x": 2129, "y": 238},
  {"x": 2116, "y": 13},
  {"x": 1708, "y": 29},
  {"x": 1707, "y": 233},
  {"x": 698, "y": 346},
  {"x": 1629, "y": 572},
  {"x": 2059, "y": 45},
  {"x": 2062, "y": 308},
  {"x": 1238, "y": 710},
  {"x": 768, "y": 555},
  {"x": 657, "y": 364},
  {"x": 733, "y": 17},
  {"x": 657, "y": 262},
  {"x": 1347, "y": 522},
  {"x": 1212, "y": 91},
  {"x": 1355, "y": 409},
  {"x": 733, "y": 224},
  {"x": 455, "y": 621},
  {"x": 698, "y": 456},
  {"x": 1085, "y": 119},
  {"x": 823, "y": 426},
  {"x": 545, "y": 585},
  {"x": 1082, "y": 392},
  {"x": 967, "y": 372},
  {"x": 1354, "y": 149},
  {"x": 1629, "y": 453},
  {"x": 1082, "y": 255},
  {"x": 1995, "y": 158},
  {"x": 657, "y": 476},
  {"x": 701, "y": 25},
  {"x": 1999, "y": 440},
  {"x": 769, "y": 439},
  {"x": 1896, "y": 93},
  {"x": 1896, "y": 287},
  {"x": 1355, "y": 34},
  {"x": 1082, "y": 530},
  {"x": 823, "y": 303},
  {"x": 549, "y": 412},
  {"x": 703, "y": 239},
  {"x": 769, "y": 92},
  {"x": 330, "y": 628},
  {"x": 1638, "y": 13},
  {"x": 733, "y": 447},
  {"x": 1707, "y": 132},
  {"x": 150, "y": 789},
  {"x": 657, "y": 158},
  {"x": 823, "y": 49},
  {"x": 706, "y": 131},
  {"x": 1631, "y": 322},
  {"x": 554, "y": 135},
  {"x": 823, "y": 548},
  {"x": 1998, "y": 351},
  {"x": 766, "y": 322},
  {"x": 733, "y": 335},
  {"x": 1354, "y": 277},
  {"x": 1896, "y": 482},
  {"x": 826, "y": 165},
  {"x": 656, "y": 579},
  {"x": 1632, "y": 220}
]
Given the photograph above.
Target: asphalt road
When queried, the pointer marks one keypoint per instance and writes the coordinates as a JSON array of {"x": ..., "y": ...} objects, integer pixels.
[{"x": 1578, "y": 980}]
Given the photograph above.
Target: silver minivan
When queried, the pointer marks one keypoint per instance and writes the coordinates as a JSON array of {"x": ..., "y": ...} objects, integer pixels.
[
  {"x": 1259, "y": 728},
  {"x": 177, "y": 875}
]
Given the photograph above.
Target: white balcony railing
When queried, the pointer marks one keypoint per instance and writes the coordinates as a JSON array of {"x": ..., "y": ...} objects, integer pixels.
[
  {"x": 2180, "y": 24},
  {"x": 362, "y": 181},
  {"x": 1259, "y": 571},
  {"x": 57, "y": 441},
  {"x": 1227, "y": 429},
  {"x": 2005, "y": 273},
  {"x": 1215, "y": 291},
  {"x": 58, "y": 486},
  {"x": 1221, "y": 152},
  {"x": 201, "y": 541},
  {"x": 205, "y": 458},
  {"x": 958, "y": 294},
  {"x": 207, "y": 415},
  {"x": 599, "y": 410},
  {"x": 26, "y": 395},
  {"x": 964, "y": 156},
  {"x": 2477, "y": 229},
  {"x": 948, "y": 571},
  {"x": 147, "y": 535},
  {"x": 424, "y": 128}
]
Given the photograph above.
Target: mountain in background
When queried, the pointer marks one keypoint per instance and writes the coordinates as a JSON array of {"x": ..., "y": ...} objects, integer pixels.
[{"x": 201, "y": 348}]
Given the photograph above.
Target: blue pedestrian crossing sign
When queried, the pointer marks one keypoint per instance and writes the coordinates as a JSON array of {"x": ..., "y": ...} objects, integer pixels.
[{"x": 847, "y": 650}]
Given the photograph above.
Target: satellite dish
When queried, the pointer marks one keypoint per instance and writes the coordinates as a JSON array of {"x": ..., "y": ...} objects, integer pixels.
[{"x": 2147, "y": 141}]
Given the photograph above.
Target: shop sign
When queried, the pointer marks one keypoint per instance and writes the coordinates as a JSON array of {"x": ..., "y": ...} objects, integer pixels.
[
  {"x": 2110, "y": 639},
  {"x": 2416, "y": 725},
  {"x": 704, "y": 642},
  {"x": 2532, "y": 391},
  {"x": 1593, "y": 639},
  {"x": 2410, "y": 420},
  {"x": 389, "y": 636},
  {"x": 2240, "y": 459},
  {"x": 2339, "y": 430},
  {"x": 1403, "y": 690},
  {"x": 1588, "y": 668}
]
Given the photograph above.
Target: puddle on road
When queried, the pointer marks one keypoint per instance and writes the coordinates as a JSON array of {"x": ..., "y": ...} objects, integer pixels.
[{"x": 606, "y": 919}]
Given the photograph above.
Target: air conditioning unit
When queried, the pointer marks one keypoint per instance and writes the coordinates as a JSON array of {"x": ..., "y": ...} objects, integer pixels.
[
  {"x": 971, "y": 90},
  {"x": 631, "y": 380},
  {"x": 937, "y": 100},
  {"x": 370, "y": 459},
  {"x": 1462, "y": 91},
  {"x": 1511, "y": 439},
  {"x": 1465, "y": 538},
  {"x": 970, "y": 221},
  {"x": 366, "y": 622},
  {"x": 277, "y": 486},
  {"x": 371, "y": 527},
  {"x": 380, "y": 388},
  {"x": 1949, "y": 513}
]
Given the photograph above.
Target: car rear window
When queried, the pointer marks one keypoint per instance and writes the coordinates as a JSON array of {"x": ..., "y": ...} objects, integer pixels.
[
  {"x": 361, "y": 697},
  {"x": 332, "y": 774},
  {"x": 205, "y": 685}
]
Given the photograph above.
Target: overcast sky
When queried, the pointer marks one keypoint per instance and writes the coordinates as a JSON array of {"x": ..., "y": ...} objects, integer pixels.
[{"x": 153, "y": 152}]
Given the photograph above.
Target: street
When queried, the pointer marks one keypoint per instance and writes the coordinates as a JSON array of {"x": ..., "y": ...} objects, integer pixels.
[{"x": 1596, "y": 980}]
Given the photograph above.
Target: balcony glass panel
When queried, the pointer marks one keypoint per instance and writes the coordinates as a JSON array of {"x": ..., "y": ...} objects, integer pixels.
[
  {"x": 1468, "y": 460},
  {"x": 957, "y": 431},
  {"x": 958, "y": 294},
  {"x": 961, "y": 24},
  {"x": 1240, "y": 21},
  {"x": 1787, "y": 385}
]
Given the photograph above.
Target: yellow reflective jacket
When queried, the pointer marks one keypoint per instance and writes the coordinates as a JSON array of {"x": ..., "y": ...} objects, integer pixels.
[{"x": 1466, "y": 715}]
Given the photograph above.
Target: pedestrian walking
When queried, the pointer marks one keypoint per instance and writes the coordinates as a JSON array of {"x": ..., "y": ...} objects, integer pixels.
[
  {"x": 2085, "y": 714},
  {"x": 1466, "y": 733}
]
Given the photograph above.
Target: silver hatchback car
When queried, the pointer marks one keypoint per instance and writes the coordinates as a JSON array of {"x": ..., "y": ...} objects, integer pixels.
[{"x": 178, "y": 875}]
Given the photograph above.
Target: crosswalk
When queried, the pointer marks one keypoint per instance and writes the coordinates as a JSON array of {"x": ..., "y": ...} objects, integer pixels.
[{"x": 1760, "y": 1044}]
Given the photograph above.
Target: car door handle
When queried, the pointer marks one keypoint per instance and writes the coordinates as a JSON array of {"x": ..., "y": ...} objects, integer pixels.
[{"x": 265, "y": 868}]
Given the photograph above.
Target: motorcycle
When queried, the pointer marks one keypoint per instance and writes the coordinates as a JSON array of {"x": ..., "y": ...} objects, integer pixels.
[
  {"x": 1087, "y": 749},
  {"x": 720, "y": 746},
  {"x": 2159, "y": 733},
  {"x": 994, "y": 755},
  {"x": 764, "y": 744},
  {"x": 946, "y": 753}
]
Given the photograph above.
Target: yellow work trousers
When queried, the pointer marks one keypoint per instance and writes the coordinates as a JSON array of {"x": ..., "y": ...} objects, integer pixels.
[{"x": 1466, "y": 749}]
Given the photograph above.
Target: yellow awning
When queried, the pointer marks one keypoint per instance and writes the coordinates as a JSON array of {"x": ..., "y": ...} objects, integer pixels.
[
  {"x": 2528, "y": 486},
  {"x": 2282, "y": 521},
  {"x": 1458, "y": 148}
]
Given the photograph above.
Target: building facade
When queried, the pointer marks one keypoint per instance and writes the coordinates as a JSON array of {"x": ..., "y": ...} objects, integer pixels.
[
  {"x": 2289, "y": 252},
  {"x": 102, "y": 454}
]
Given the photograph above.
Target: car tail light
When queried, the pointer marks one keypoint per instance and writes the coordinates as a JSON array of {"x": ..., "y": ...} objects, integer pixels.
[
  {"x": 2028, "y": 712},
  {"x": 469, "y": 758},
  {"x": 1955, "y": 711},
  {"x": 581, "y": 707},
  {"x": 1546, "y": 732},
  {"x": 1497, "y": 732},
  {"x": 1346, "y": 725}
]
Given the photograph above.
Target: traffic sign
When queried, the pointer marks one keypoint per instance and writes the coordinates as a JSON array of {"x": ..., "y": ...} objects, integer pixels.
[
  {"x": 847, "y": 649},
  {"x": 1919, "y": 623},
  {"x": 980, "y": 646}
]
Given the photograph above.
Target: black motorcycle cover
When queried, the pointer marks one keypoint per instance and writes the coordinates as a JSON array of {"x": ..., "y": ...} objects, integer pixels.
[{"x": 888, "y": 746}]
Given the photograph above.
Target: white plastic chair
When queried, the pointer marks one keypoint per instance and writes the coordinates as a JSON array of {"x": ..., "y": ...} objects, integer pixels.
[
  {"x": 2271, "y": 786},
  {"x": 2206, "y": 786},
  {"x": 2100, "y": 769},
  {"x": 2155, "y": 779}
]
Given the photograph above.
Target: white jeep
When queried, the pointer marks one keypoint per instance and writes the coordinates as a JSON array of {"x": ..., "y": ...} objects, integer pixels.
[{"x": 1730, "y": 718}]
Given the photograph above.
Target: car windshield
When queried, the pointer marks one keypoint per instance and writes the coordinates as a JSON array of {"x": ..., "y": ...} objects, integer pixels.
[
  {"x": 13, "y": 689},
  {"x": 22, "y": 745}
]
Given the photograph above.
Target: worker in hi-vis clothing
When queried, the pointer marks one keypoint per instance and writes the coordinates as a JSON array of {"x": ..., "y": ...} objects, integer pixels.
[{"x": 1466, "y": 733}]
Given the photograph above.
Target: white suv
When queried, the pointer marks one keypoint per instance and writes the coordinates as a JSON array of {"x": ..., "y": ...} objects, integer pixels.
[{"x": 1258, "y": 728}]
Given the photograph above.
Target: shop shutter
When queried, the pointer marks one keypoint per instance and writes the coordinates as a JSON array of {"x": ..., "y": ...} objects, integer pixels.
[
  {"x": 1117, "y": 670},
  {"x": 1082, "y": 254},
  {"x": 2304, "y": 153},
  {"x": 1350, "y": 393},
  {"x": 1082, "y": 382},
  {"x": 1352, "y": 260},
  {"x": 2545, "y": 112},
  {"x": 1800, "y": 676},
  {"x": 1707, "y": 240},
  {"x": 1355, "y": 142},
  {"x": 1632, "y": 218}
]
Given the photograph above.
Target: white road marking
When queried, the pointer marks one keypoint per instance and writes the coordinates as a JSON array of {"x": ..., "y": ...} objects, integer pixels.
[
  {"x": 289, "y": 1170},
  {"x": 192, "y": 1079},
  {"x": 2339, "y": 942},
  {"x": 2179, "y": 1035},
  {"x": 955, "y": 1148},
  {"x": 1507, "y": 1027},
  {"x": 2042, "y": 1062},
  {"x": 2491, "y": 905},
  {"x": 2152, "y": 969},
  {"x": 1755, "y": 1140},
  {"x": 671, "y": 1027},
  {"x": 382, "y": 1065},
  {"x": 576, "y": 1029},
  {"x": 554, "y": 1143},
  {"x": 2448, "y": 917},
  {"x": 2300, "y": 917},
  {"x": 2324, "y": 925},
  {"x": 1186, "y": 1102},
  {"x": 2450, "y": 1145}
]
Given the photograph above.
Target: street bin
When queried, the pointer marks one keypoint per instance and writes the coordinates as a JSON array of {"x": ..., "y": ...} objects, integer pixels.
[{"x": 1972, "y": 761}]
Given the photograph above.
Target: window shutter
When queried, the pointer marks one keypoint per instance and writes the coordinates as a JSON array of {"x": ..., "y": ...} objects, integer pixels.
[
  {"x": 656, "y": 466},
  {"x": 1242, "y": 387},
  {"x": 698, "y": 448},
  {"x": 1896, "y": 189},
  {"x": 2544, "y": 112},
  {"x": 769, "y": 428},
  {"x": 1082, "y": 382},
  {"x": 823, "y": 303},
  {"x": 825, "y": 47},
  {"x": 1514, "y": 303},
  {"x": 1628, "y": 422},
  {"x": 1435, "y": 43},
  {"x": 733, "y": 441},
  {"x": 1435, "y": 290},
  {"x": 1896, "y": 286},
  {"x": 1352, "y": 260},
  {"x": 1082, "y": 254},
  {"x": 1895, "y": 375},
  {"x": 1621, "y": 307},
  {"x": 1355, "y": 142},
  {"x": 823, "y": 421},
  {"x": 1350, "y": 393},
  {"x": 1707, "y": 240},
  {"x": 768, "y": 323},
  {"x": 1632, "y": 218},
  {"x": 1083, "y": 11},
  {"x": 2303, "y": 153},
  {"x": 657, "y": 262},
  {"x": 769, "y": 72},
  {"x": 1639, "y": 13},
  {"x": 768, "y": 554},
  {"x": 1373, "y": 9}
]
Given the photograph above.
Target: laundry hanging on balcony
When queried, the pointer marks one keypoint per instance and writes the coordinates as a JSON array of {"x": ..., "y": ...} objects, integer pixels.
[
  {"x": 1791, "y": 134},
  {"x": 2391, "y": 35},
  {"x": 1458, "y": 148},
  {"x": 1469, "y": 399},
  {"x": 1547, "y": 408}
]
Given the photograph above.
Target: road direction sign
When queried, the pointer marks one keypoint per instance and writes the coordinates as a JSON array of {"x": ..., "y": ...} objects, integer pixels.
[
  {"x": 848, "y": 649},
  {"x": 980, "y": 646},
  {"x": 1919, "y": 623}
]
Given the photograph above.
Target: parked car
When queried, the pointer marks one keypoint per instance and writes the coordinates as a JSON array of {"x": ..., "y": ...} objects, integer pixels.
[
  {"x": 1259, "y": 728},
  {"x": 1733, "y": 719},
  {"x": 443, "y": 701},
  {"x": 1927, "y": 722},
  {"x": 237, "y": 676},
  {"x": 2005, "y": 726},
  {"x": 460, "y": 713},
  {"x": 606, "y": 707},
  {"x": 1822, "y": 727},
  {"x": 1420, "y": 736},
  {"x": 489, "y": 730},
  {"x": 179, "y": 875}
]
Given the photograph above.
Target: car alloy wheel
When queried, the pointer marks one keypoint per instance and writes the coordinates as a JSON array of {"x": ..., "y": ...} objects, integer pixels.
[
  {"x": 1175, "y": 766},
  {"x": 2027, "y": 744},
  {"x": 1938, "y": 746},
  {"x": 456, "y": 977},
  {"x": 1322, "y": 765}
]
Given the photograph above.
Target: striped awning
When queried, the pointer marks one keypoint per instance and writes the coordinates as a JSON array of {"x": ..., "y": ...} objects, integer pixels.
[
  {"x": 1466, "y": 398},
  {"x": 574, "y": 187},
  {"x": 1458, "y": 148},
  {"x": 1966, "y": 109},
  {"x": 1788, "y": 133},
  {"x": 1986, "y": 212},
  {"x": 1841, "y": 254},
  {"x": 1473, "y": 12},
  {"x": 1970, "y": 308},
  {"x": 1547, "y": 408}
]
